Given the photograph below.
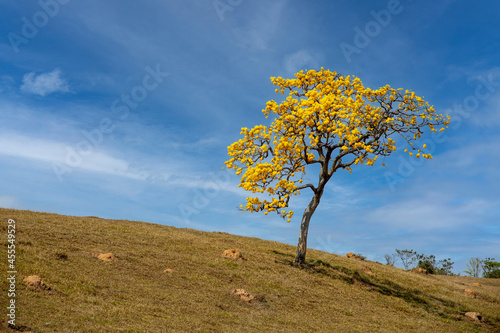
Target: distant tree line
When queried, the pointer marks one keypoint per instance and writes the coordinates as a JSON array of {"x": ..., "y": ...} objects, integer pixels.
[{"x": 487, "y": 268}]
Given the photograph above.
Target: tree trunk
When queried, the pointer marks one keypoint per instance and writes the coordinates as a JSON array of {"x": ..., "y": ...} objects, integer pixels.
[{"x": 304, "y": 227}]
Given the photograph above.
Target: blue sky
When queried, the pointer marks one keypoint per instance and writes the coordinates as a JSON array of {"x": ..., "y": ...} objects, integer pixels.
[{"x": 124, "y": 110}]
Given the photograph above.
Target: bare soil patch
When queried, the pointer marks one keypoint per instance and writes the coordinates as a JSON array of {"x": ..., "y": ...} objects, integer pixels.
[
  {"x": 351, "y": 255},
  {"x": 36, "y": 282},
  {"x": 243, "y": 294},
  {"x": 233, "y": 254},
  {"x": 105, "y": 256}
]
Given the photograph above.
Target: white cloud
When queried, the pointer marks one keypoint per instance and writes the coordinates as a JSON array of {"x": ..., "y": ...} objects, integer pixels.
[
  {"x": 44, "y": 84},
  {"x": 59, "y": 154},
  {"x": 260, "y": 25},
  {"x": 300, "y": 60},
  {"x": 7, "y": 201},
  {"x": 63, "y": 156},
  {"x": 433, "y": 210},
  {"x": 466, "y": 159},
  {"x": 211, "y": 183}
]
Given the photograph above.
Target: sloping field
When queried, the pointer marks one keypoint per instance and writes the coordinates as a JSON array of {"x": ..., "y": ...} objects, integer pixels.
[{"x": 164, "y": 279}]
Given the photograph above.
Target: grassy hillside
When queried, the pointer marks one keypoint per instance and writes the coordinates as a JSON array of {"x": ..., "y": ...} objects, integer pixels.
[{"x": 135, "y": 294}]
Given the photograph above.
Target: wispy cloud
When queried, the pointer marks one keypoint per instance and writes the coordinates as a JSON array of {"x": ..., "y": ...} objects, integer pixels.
[
  {"x": 300, "y": 60},
  {"x": 420, "y": 214},
  {"x": 57, "y": 153},
  {"x": 8, "y": 201},
  {"x": 44, "y": 84},
  {"x": 260, "y": 26},
  {"x": 470, "y": 159}
]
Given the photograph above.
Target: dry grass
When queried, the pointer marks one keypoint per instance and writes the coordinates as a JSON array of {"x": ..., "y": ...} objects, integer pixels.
[{"x": 135, "y": 294}]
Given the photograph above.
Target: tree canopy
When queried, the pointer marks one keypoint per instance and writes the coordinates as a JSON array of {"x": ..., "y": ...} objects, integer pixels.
[{"x": 330, "y": 120}]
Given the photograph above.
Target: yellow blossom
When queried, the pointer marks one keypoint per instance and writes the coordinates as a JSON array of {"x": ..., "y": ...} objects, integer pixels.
[{"x": 325, "y": 114}]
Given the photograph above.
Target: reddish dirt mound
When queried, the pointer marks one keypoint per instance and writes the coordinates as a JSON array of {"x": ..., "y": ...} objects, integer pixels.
[
  {"x": 367, "y": 270},
  {"x": 474, "y": 316},
  {"x": 418, "y": 270},
  {"x": 233, "y": 254},
  {"x": 470, "y": 293},
  {"x": 105, "y": 256},
  {"x": 243, "y": 294},
  {"x": 351, "y": 255},
  {"x": 36, "y": 282}
]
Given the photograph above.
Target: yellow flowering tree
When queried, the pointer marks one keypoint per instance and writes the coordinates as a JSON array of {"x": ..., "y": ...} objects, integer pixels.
[{"x": 330, "y": 120}]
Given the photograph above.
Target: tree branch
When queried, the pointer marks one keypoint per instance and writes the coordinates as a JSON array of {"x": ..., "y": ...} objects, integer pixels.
[{"x": 306, "y": 186}]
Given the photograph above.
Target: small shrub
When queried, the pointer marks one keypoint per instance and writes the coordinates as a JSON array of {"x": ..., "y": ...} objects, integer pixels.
[
  {"x": 362, "y": 257},
  {"x": 491, "y": 269},
  {"x": 430, "y": 264}
]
